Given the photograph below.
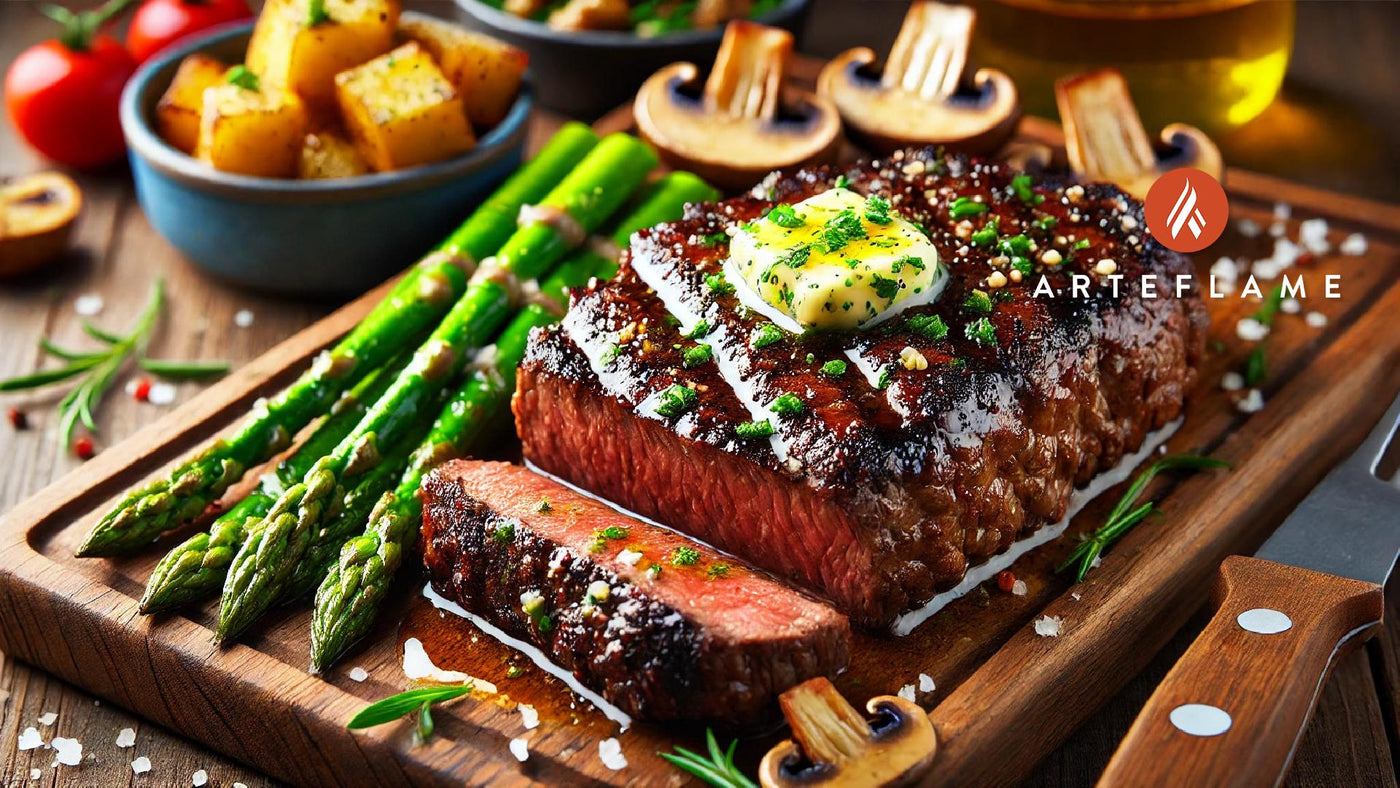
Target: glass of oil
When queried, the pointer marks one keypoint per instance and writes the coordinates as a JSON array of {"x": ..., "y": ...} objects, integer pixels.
[{"x": 1215, "y": 64}]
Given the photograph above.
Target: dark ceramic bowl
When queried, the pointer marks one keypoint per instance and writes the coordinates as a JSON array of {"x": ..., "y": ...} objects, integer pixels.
[
  {"x": 307, "y": 238},
  {"x": 588, "y": 73}
]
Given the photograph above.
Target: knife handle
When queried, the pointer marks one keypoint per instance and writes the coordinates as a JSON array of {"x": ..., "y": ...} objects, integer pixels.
[{"x": 1232, "y": 709}]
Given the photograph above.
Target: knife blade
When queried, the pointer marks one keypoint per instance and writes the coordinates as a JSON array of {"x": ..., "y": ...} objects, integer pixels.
[{"x": 1231, "y": 711}]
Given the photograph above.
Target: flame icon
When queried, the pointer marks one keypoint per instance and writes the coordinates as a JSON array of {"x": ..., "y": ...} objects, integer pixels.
[{"x": 1185, "y": 213}]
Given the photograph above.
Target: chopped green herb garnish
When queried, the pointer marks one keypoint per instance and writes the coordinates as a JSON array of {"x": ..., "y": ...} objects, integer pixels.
[
  {"x": 676, "y": 400},
  {"x": 404, "y": 703},
  {"x": 610, "y": 354},
  {"x": 842, "y": 182},
  {"x": 1256, "y": 367},
  {"x": 930, "y": 327},
  {"x": 695, "y": 356},
  {"x": 685, "y": 556},
  {"x": 913, "y": 261},
  {"x": 784, "y": 215},
  {"x": 965, "y": 207},
  {"x": 877, "y": 210},
  {"x": 1046, "y": 223},
  {"x": 1015, "y": 245},
  {"x": 883, "y": 381},
  {"x": 654, "y": 570},
  {"x": 885, "y": 287},
  {"x": 766, "y": 334},
  {"x": 602, "y": 536},
  {"x": 544, "y": 506},
  {"x": 717, "y": 285},
  {"x": 699, "y": 330},
  {"x": 787, "y": 405},
  {"x": 1082, "y": 243},
  {"x": 514, "y": 672},
  {"x": 834, "y": 368},
  {"x": 987, "y": 235},
  {"x": 797, "y": 256},
  {"x": 1021, "y": 185},
  {"x": 716, "y": 571},
  {"x": 240, "y": 75},
  {"x": 749, "y": 430},
  {"x": 841, "y": 229},
  {"x": 1273, "y": 302},
  {"x": 317, "y": 13},
  {"x": 715, "y": 239},
  {"x": 978, "y": 303},
  {"x": 1022, "y": 264},
  {"x": 504, "y": 533},
  {"x": 982, "y": 332}
]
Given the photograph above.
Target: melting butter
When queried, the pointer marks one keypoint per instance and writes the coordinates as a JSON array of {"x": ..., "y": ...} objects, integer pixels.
[{"x": 835, "y": 260}]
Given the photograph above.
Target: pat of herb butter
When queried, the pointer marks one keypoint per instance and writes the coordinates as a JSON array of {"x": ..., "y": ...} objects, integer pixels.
[{"x": 835, "y": 260}]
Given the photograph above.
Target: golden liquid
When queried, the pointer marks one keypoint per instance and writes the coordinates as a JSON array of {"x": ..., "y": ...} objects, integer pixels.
[{"x": 1215, "y": 64}]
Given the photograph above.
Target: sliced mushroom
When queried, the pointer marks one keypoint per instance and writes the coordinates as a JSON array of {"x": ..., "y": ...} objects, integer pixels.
[
  {"x": 837, "y": 747},
  {"x": 36, "y": 220},
  {"x": 592, "y": 15},
  {"x": 920, "y": 96},
  {"x": 743, "y": 124},
  {"x": 1105, "y": 139}
]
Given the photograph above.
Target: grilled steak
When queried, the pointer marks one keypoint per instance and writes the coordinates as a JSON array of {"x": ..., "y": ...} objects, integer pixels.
[
  {"x": 699, "y": 637},
  {"x": 928, "y": 456}
]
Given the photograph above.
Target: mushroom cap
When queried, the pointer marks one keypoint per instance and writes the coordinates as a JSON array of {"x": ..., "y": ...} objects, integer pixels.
[
  {"x": 732, "y": 152},
  {"x": 36, "y": 220},
  {"x": 885, "y": 118},
  {"x": 896, "y": 748}
]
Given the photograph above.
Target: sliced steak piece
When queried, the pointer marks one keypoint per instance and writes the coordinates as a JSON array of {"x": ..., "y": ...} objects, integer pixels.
[
  {"x": 929, "y": 453},
  {"x": 661, "y": 626}
]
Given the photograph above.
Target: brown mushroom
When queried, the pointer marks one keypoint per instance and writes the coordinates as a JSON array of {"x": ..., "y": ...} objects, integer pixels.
[
  {"x": 743, "y": 124},
  {"x": 836, "y": 747},
  {"x": 1105, "y": 139},
  {"x": 36, "y": 220},
  {"x": 920, "y": 97}
]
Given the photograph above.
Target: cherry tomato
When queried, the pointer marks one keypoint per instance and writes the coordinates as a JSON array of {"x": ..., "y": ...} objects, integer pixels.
[
  {"x": 1006, "y": 580},
  {"x": 143, "y": 390},
  {"x": 84, "y": 449},
  {"x": 63, "y": 94},
  {"x": 158, "y": 23}
]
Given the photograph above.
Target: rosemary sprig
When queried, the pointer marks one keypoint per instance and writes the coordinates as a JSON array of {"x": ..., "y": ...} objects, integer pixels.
[
  {"x": 1269, "y": 309},
  {"x": 397, "y": 706},
  {"x": 100, "y": 367},
  {"x": 718, "y": 770},
  {"x": 1128, "y": 513}
]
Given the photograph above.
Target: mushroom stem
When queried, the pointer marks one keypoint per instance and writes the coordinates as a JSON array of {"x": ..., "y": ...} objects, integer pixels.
[
  {"x": 829, "y": 729},
  {"x": 930, "y": 53},
  {"x": 747, "y": 79}
]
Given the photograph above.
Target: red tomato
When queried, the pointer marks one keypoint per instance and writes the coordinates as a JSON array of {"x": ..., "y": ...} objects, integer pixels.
[
  {"x": 64, "y": 100},
  {"x": 158, "y": 23}
]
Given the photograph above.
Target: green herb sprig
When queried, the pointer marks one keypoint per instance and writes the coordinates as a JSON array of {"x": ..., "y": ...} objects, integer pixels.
[
  {"x": 718, "y": 769},
  {"x": 100, "y": 367},
  {"x": 401, "y": 705},
  {"x": 1128, "y": 513}
]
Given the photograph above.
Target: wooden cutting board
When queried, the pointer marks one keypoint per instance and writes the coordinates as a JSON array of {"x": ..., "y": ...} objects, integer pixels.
[{"x": 1004, "y": 696}]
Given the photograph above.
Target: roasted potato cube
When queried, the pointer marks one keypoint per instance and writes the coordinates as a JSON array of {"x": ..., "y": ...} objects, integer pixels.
[
  {"x": 486, "y": 72},
  {"x": 328, "y": 154},
  {"x": 252, "y": 132},
  {"x": 178, "y": 111},
  {"x": 300, "y": 45},
  {"x": 592, "y": 15},
  {"x": 402, "y": 111}
]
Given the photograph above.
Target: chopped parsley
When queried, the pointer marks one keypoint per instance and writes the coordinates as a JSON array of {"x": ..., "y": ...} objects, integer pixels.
[
  {"x": 797, "y": 256},
  {"x": 695, "y": 356},
  {"x": 834, "y": 368},
  {"x": 317, "y": 13},
  {"x": 930, "y": 327},
  {"x": 982, "y": 332},
  {"x": 987, "y": 235},
  {"x": 1022, "y": 264},
  {"x": 676, "y": 400},
  {"x": 978, "y": 303},
  {"x": 766, "y": 334},
  {"x": 717, "y": 284},
  {"x": 1273, "y": 302},
  {"x": 610, "y": 354},
  {"x": 913, "y": 261},
  {"x": 715, "y": 239},
  {"x": 1016, "y": 245},
  {"x": 841, "y": 182},
  {"x": 701, "y": 329},
  {"x": 602, "y": 536},
  {"x": 750, "y": 430},
  {"x": 787, "y": 405},
  {"x": 544, "y": 506},
  {"x": 655, "y": 570},
  {"x": 877, "y": 210},
  {"x": 514, "y": 672},
  {"x": 1046, "y": 222},
  {"x": 685, "y": 556},
  {"x": 504, "y": 533},
  {"x": 885, "y": 287},
  {"x": 716, "y": 571},
  {"x": 240, "y": 75},
  {"x": 1256, "y": 367},
  {"x": 841, "y": 229},
  {"x": 1021, "y": 185},
  {"x": 784, "y": 215},
  {"x": 1082, "y": 243},
  {"x": 883, "y": 381},
  {"x": 966, "y": 207}
]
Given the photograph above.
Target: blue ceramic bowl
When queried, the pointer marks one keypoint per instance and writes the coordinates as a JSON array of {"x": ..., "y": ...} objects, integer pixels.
[{"x": 307, "y": 238}]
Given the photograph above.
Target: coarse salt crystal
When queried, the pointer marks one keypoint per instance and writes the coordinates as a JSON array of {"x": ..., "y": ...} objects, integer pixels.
[
  {"x": 1253, "y": 402},
  {"x": 418, "y": 665},
  {"x": 68, "y": 752},
  {"x": 1018, "y": 588},
  {"x": 1225, "y": 269},
  {"x": 199, "y": 778},
  {"x": 240, "y": 785},
  {"x": 47, "y": 718},
  {"x": 1075, "y": 596},
  {"x": 243, "y": 318},
  {"x": 88, "y": 305},
  {"x": 906, "y": 692},
  {"x": 629, "y": 557},
  {"x": 141, "y": 765},
  {"x": 1354, "y": 244},
  {"x": 126, "y": 738},
  {"x": 1312, "y": 234},
  {"x": 35, "y": 774},
  {"x": 161, "y": 394},
  {"x": 1251, "y": 330},
  {"x": 30, "y": 739},
  {"x": 1278, "y": 229},
  {"x": 926, "y": 683},
  {"x": 520, "y": 749},
  {"x": 529, "y": 717},
  {"x": 1232, "y": 381},
  {"x": 610, "y": 753},
  {"x": 1267, "y": 268},
  {"x": 1048, "y": 626},
  {"x": 1315, "y": 319},
  {"x": 1286, "y": 252},
  {"x": 1248, "y": 228},
  {"x": 358, "y": 674},
  {"x": 1291, "y": 306},
  {"x": 1282, "y": 210}
]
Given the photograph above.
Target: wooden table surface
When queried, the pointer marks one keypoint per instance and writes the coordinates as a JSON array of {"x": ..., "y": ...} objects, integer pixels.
[{"x": 1337, "y": 125}]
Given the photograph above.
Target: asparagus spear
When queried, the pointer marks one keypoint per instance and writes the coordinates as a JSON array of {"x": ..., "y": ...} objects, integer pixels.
[
  {"x": 600, "y": 183},
  {"x": 195, "y": 568},
  {"x": 417, "y": 302},
  {"x": 349, "y": 598}
]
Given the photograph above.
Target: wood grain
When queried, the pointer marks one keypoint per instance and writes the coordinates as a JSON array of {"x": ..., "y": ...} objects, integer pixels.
[{"x": 1268, "y": 684}]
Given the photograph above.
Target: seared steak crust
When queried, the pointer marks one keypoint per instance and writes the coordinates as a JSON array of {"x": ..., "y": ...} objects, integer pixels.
[
  {"x": 705, "y": 638},
  {"x": 875, "y": 497}
]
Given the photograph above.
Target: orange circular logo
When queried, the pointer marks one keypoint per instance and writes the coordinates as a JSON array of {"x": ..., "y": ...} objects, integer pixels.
[{"x": 1187, "y": 210}]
